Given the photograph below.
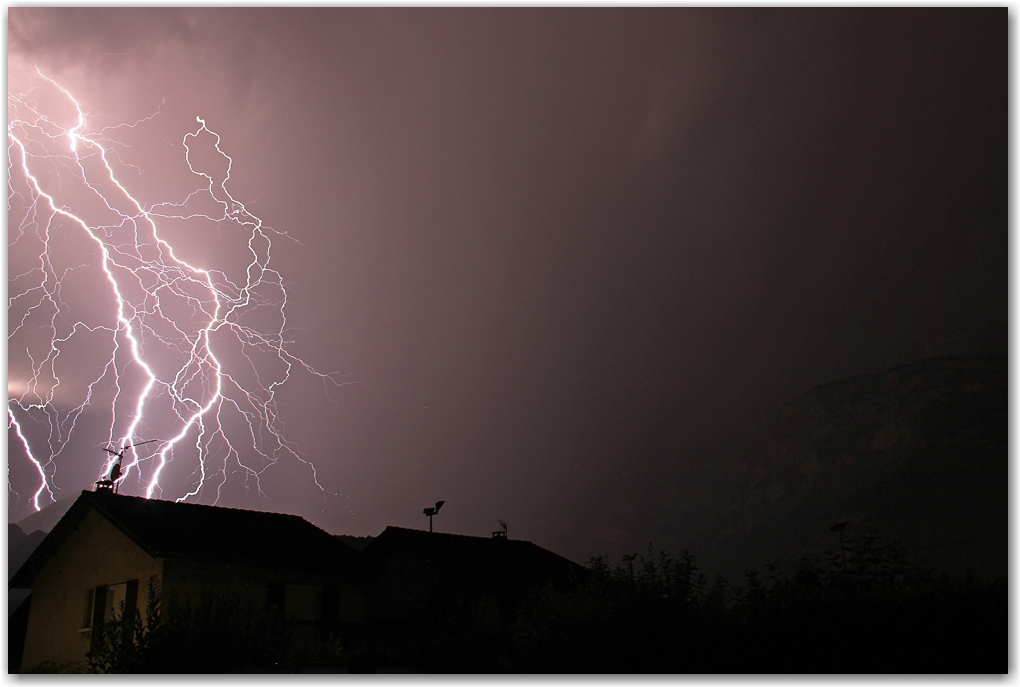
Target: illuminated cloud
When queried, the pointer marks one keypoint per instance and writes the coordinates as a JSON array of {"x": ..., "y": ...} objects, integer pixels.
[
  {"x": 572, "y": 256},
  {"x": 192, "y": 353}
]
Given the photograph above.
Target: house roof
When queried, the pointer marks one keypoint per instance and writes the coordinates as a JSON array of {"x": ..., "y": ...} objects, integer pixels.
[
  {"x": 510, "y": 562},
  {"x": 167, "y": 529}
]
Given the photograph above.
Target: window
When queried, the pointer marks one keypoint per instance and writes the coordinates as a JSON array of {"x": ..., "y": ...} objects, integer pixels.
[
  {"x": 116, "y": 598},
  {"x": 302, "y": 609},
  {"x": 86, "y": 620},
  {"x": 301, "y": 605},
  {"x": 109, "y": 604}
]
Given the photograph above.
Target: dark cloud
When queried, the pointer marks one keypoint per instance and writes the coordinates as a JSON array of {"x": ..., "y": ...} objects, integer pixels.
[{"x": 576, "y": 259}]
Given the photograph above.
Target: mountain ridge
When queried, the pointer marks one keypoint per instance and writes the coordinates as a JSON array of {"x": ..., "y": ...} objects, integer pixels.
[{"x": 918, "y": 453}]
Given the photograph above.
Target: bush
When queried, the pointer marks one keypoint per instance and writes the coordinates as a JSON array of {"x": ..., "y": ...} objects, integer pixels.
[
  {"x": 872, "y": 612},
  {"x": 225, "y": 634},
  {"x": 877, "y": 613}
]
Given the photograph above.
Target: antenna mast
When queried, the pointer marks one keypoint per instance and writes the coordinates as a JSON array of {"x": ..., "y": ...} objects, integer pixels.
[
  {"x": 112, "y": 482},
  {"x": 432, "y": 511}
]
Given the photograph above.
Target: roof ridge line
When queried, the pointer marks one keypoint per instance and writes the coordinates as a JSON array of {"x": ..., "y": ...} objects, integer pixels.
[
  {"x": 203, "y": 505},
  {"x": 452, "y": 534}
]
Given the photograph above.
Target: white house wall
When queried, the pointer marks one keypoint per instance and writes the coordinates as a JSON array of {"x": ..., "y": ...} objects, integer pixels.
[{"x": 96, "y": 554}]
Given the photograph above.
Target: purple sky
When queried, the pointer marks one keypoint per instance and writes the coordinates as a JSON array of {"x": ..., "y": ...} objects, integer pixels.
[{"x": 572, "y": 261}]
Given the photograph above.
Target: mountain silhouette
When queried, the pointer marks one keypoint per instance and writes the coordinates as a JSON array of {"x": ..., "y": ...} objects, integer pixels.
[
  {"x": 918, "y": 454},
  {"x": 46, "y": 518}
]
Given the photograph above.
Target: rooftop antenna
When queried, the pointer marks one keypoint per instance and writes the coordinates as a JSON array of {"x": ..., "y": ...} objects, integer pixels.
[
  {"x": 500, "y": 534},
  {"x": 432, "y": 511},
  {"x": 112, "y": 482}
]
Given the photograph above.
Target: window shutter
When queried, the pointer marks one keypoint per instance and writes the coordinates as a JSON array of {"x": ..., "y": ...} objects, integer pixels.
[
  {"x": 130, "y": 606},
  {"x": 330, "y": 613},
  {"x": 90, "y": 598},
  {"x": 98, "y": 617}
]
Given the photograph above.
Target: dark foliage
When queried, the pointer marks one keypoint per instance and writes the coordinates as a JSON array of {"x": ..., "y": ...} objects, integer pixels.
[
  {"x": 864, "y": 610},
  {"x": 875, "y": 613},
  {"x": 215, "y": 635}
]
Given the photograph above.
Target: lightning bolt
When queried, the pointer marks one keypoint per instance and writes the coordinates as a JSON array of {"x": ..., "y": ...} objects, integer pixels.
[{"x": 193, "y": 354}]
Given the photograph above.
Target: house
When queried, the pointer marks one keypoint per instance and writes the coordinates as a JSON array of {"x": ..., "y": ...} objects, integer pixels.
[
  {"x": 19, "y": 547},
  {"x": 106, "y": 548},
  {"x": 101, "y": 555},
  {"x": 405, "y": 568},
  {"x": 441, "y": 603}
]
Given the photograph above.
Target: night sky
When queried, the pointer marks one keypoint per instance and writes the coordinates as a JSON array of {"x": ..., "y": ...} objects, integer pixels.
[{"x": 567, "y": 263}]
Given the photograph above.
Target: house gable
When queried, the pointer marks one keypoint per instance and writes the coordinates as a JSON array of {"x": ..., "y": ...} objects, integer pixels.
[
  {"x": 407, "y": 567},
  {"x": 107, "y": 546},
  {"x": 95, "y": 554}
]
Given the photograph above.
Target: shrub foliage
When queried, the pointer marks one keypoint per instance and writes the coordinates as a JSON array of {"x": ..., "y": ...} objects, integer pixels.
[
  {"x": 215, "y": 634},
  {"x": 865, "y": 609}
]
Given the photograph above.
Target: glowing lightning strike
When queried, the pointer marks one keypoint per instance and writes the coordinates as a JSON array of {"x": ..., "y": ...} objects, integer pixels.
[
  {"x": 12, "y": 423},
  {"x": 192, "y": 355}
]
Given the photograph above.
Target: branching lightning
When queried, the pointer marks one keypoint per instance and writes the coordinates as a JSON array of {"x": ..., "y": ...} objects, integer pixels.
[{"x": 190, "y": 353}]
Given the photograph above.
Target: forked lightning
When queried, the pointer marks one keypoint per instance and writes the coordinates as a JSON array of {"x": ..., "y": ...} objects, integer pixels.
[{"x": 192, "y": 354}]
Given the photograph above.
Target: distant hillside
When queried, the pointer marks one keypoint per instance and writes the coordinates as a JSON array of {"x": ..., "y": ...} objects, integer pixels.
[
  {"x": 918, "y": 453},
  {"x": 356, "y": 543},
  {"x": 25, "y": 536},
  {"x": 46, "y": 518},
  {"x": 20, "y": 546}
]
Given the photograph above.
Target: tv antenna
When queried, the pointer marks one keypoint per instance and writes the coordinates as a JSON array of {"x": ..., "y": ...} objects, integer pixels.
[
  {"x": 500, "y": 534},
  {"x": 112, "y": 482},
  {"x": 432, "y": 511}
]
